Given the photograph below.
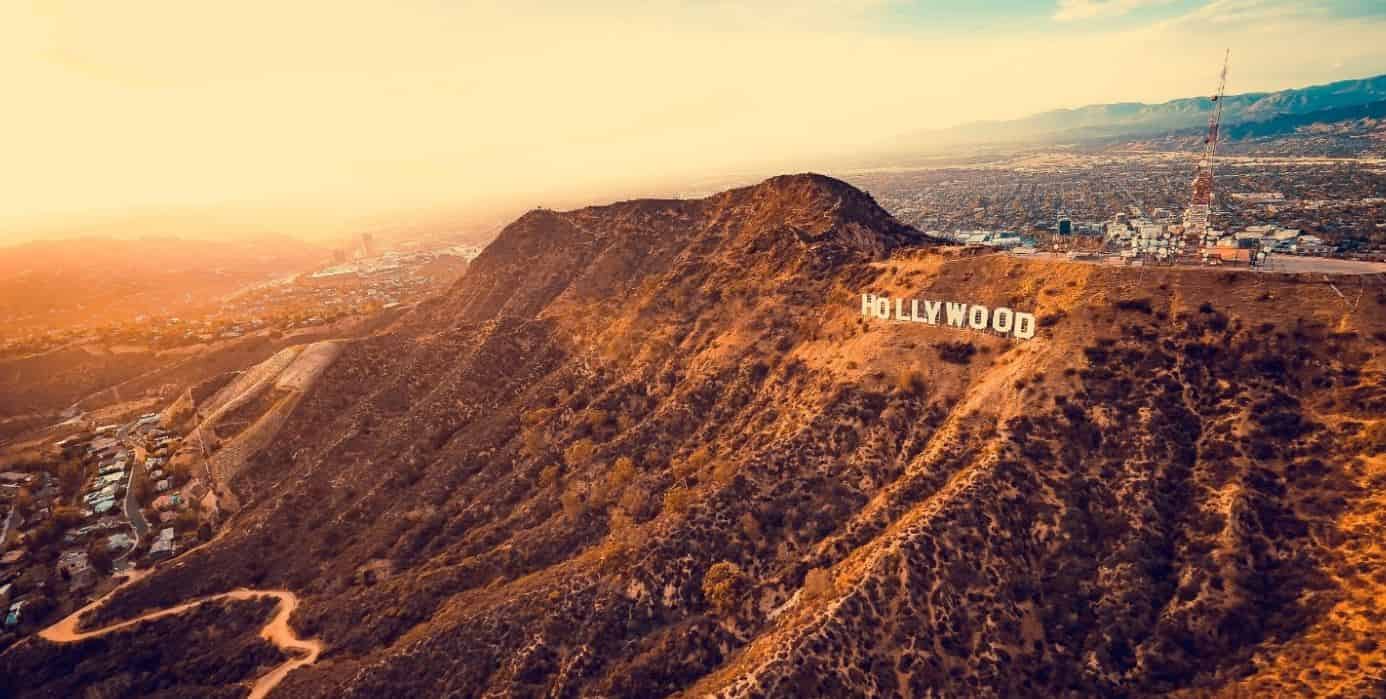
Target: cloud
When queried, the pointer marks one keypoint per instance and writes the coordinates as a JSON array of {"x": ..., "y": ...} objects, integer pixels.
[
  {"x": 1071, "y": 10},
  {"x": 1245, "y": 12}
]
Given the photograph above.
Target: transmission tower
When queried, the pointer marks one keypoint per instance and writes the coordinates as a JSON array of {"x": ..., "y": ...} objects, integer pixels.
[{"x": 1196, "y": 232}]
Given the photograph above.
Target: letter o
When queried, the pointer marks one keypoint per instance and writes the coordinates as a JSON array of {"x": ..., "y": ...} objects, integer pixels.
[
  {"x": 977, "y": 317},
  {"x": 883, "y": 307},
  {"x": 1002, "y": 320}
]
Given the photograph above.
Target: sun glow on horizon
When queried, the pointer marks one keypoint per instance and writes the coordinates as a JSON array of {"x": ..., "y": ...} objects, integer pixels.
[{"x": 313, "y": 118}]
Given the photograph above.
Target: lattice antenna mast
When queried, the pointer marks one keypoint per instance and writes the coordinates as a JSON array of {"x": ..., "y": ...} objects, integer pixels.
[
  {"x": 1210, "y": 146},
  {"x": 1196, "y": 217}
]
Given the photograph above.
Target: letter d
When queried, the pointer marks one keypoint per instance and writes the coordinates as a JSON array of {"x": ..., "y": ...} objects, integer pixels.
[{"x": 1024, "y": 325}]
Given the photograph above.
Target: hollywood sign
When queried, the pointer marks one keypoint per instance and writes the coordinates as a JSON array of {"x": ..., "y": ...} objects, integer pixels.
[{"x": 1002, "y": 320}]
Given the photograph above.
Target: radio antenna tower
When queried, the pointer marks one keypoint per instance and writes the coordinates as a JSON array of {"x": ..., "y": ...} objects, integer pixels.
[{"x": 1200, "y": 205}]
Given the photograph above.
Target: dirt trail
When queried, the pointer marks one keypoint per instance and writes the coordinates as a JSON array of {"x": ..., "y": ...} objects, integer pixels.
[{"x": 276, "y": 630}]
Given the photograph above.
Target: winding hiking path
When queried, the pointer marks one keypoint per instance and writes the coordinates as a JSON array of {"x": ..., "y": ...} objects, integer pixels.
[{"x": 276, "y": 630}]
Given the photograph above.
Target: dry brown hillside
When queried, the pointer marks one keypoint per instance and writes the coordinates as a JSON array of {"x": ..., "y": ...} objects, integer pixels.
[{"x": 653, "y": 449}]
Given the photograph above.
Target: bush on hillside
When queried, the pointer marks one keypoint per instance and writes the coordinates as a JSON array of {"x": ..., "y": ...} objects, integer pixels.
[
  {"x": 910, "y": 381},
  {"x": 955, "y": 352},
  {"x": 580, "y": 452},
  {"x": 724, "y": 585},
  {"x": 1142, "y": 305}
]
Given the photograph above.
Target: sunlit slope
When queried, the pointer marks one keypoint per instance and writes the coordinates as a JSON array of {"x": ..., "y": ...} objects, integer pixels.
[{"x": 655, "y": 448}]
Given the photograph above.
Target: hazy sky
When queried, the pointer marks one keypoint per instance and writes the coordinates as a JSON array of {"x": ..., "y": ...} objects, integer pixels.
[{"x": 312, "y": 117}]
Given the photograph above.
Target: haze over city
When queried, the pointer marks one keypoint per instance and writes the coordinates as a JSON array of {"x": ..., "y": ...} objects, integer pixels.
[{"x": 317, "y": 119}]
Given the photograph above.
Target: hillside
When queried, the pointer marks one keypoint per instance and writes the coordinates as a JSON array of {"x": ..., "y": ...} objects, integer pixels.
[{"x": 653, "y": 448}]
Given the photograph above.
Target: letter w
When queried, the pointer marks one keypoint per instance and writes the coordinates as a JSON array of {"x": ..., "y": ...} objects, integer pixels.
[{"x": 957, "y": 314}]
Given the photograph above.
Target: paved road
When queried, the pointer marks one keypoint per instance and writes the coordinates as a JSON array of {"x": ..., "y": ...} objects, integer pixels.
[{"x": 132, "y": 505}]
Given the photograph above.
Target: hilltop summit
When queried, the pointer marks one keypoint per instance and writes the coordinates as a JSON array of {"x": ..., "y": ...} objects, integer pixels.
[{"x": 786, "y": 225}]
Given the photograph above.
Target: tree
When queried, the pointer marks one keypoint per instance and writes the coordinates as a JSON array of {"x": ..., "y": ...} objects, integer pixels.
[
  {"x": 724, "y": 471},
  {"x": 549, "y": 475},
  {"x": 580, "y": 452},
  {"x": 635, "y": 501},
  {"x": 677, "y": 499},
  {"x": 43, "y": 535},
  {"x": 622, "y": 473},
  {"x": 100, "y": 557},
  {"x": 694, "y": 463},
  {"x": 143, "y": 487},
  {"x": 595, "y": 418},
  {"x": 67, "y": 516},
  {"x": 724, "y": 586},
  {"x": 70, "y": 475},
  {"x": 534, "y": 441},
  {"x": 573, "y": 506},
  {"x": 618, "y": 520},
  {"x": 187, "y": 519},
  {"x": 24, "y": 501}
]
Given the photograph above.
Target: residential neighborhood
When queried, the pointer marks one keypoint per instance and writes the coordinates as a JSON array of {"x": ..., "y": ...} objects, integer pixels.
[{"x": 98, "y": 502}]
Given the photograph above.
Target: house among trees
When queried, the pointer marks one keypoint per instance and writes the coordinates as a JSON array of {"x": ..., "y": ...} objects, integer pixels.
[{"x": 163, "y": 545}]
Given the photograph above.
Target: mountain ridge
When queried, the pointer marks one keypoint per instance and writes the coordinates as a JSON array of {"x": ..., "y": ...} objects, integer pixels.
[
  {"x": 1126, "y": 119},
  {"x": 654, "y": 448}
]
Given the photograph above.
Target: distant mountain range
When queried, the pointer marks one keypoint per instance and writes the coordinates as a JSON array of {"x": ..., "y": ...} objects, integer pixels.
[{"x": 1245, "y": 115}]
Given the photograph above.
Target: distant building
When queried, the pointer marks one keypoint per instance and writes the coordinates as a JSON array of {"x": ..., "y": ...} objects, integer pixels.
[
  {"x": 164, "y": 502},
  {"x": 75, "y": 565},
  {"x": 1229, "y": 254},
  {"x": 16, "y": 613},
  {"x": 16, "y": 478},
  {"x": 105, "y": 492},
  {"x": 163, "y": 545}
]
